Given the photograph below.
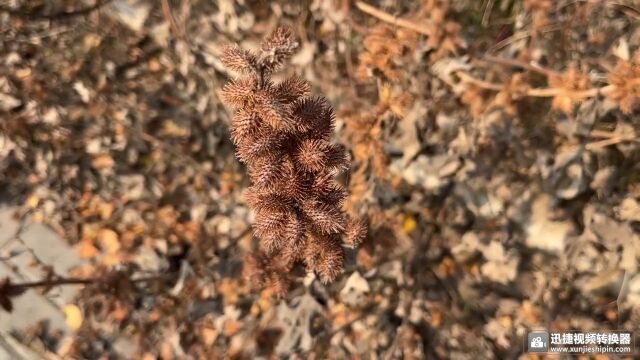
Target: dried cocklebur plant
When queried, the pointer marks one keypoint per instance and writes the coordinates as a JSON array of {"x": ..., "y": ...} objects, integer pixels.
[
  {"x": 384, "y": 48},
  {"x": 625, "y": 81},
  {"x": 283, "y": 136}
]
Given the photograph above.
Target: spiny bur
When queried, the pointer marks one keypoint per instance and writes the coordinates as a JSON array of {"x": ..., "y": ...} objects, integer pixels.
[{"x": 283, "y": 135}]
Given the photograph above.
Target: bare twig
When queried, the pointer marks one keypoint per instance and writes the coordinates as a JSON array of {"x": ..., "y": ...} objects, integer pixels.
[
  {"x": 166, "y": 11},
  {"x": 608, "y": 138},
  {"x": 522, "y": 35},
  {"x": 608, "y": 142},
  {"x": 115, "y": 281},
  {"x": 407, "y": 24},
  {"x": 487, "y": 12},
  {"x": 82, "y": 281},
  {"x": 520, "y": 64},
  {"x": 539, "y": 92},
  {"x": 477, "y": 82},
  {"x": 603, "y": 134}
]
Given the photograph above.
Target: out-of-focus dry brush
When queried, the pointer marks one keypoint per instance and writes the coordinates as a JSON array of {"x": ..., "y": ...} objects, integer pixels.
[
  {"x": 430, "y": 18},
  {"x": 444, "y": 34},
  {"x": 365, "y": 130},
  {"x": 569, "y": 83},
  {"x": 283, "y": 135},
  {"x": 384, "y": 49},
  {"x": 539, "y": 12},
  {"x": 625, "y": 78}
]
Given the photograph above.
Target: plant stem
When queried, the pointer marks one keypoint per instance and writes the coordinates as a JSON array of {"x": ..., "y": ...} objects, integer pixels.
[
  {"x": 407, "y": 24},
  {"x": 538, "y": 92},
  {"x": 81, "y": 281},
  {"x": 520, "y": 64}
]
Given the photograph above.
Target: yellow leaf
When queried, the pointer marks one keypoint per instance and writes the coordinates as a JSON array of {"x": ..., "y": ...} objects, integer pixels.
[
  {"x": 409, "y": 224},
  {"x": 108, "y": 240},
  {"x": 73, "y": 316},
  {"x": 33, "y": 201}
]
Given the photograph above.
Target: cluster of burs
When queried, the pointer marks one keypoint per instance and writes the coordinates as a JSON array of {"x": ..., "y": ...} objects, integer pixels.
[{"x": 283, "y": 136}]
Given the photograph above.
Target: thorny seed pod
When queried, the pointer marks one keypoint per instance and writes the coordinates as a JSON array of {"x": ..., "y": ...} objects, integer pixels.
[{"x": 283, "y": 136}]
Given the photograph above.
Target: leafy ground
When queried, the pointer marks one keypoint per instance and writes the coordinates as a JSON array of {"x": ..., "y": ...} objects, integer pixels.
[{"x": 494, "y": 149}]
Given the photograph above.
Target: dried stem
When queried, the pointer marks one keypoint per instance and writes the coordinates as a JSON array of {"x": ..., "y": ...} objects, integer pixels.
[
  {"x": 393, "y": 20},
  {"x": 166, "y": 11},
  {"x": 477, "y": 82},
  {"x": 82, "y": 281},
  {"x": 520, "y": 64},
  {"x": 114, "y": 281},
  {"x": 521, "y": 35},
  {"x": 608, "y": 142},
  {"x": 539, "y": 92}
]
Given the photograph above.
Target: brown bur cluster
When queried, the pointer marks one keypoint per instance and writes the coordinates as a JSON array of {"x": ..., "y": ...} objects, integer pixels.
[{"x": 283, "y": 136}]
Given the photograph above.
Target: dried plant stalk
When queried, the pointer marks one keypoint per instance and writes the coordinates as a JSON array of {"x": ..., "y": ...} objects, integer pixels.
[{"x": 283, "y": 135}]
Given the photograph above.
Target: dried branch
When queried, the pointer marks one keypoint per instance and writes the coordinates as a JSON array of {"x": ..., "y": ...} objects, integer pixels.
[
  {"x": 407, "y": 24},
  {"x": 166, "y": 12},
  {"x": 538, "y": 92},
  {"x": 10, "y": 290},
  {"x": 520, "y": 64}
]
